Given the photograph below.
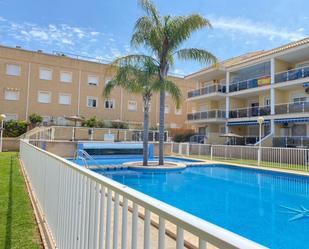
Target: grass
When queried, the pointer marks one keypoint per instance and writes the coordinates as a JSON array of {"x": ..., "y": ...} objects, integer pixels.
[{"x": 18, "y": 228}]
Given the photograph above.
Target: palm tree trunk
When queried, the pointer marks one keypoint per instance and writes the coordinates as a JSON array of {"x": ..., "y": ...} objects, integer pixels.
[
  {"x": 146, "y": 131},
  {"x": 161, "y": 127}
]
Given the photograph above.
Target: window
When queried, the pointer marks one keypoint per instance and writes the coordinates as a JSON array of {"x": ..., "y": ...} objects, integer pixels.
[
  {"x": 9, "y": 117},
  {"x": 46, "y": 74},
  {"x": 300, "y": 100},
  {"x": 178, "y": 111},
  {"x": 66, "y": 77},
  {"x": 64, "y": 99},
  {"x": 267, "y": 101},
  {"x": 92, "y": 102},
  {"x": 11, "y": 95},
  {"x": 93, "y": 80},
  {"x": 109, "y": 104},
  {"x": 174, "y": 125},
  {"x": 167, "y": 94},
  {"x": 44, "y": 97},
  {"x": 132, "y": 105},
  {"x": 13, "y": 70},
  {"x": 167, "y": 109}
]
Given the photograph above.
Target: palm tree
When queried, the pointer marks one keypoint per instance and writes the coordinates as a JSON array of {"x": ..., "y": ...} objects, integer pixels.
[
  {"x": 141, "y": 78},
  {"x": 163, "y": 37}
]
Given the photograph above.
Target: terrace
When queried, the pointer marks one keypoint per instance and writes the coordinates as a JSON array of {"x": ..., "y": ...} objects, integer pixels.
[
  {"x": 212, "y": 115},
  {"x": 206, "y": 91}
]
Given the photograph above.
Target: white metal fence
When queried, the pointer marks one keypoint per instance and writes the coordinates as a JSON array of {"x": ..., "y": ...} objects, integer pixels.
[
  {"x": 86, "y": 210},
  {"x": 288, "y": 158}
]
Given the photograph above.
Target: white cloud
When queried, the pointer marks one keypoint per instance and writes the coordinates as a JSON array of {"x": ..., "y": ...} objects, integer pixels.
[{"x": 248, "y": 27}]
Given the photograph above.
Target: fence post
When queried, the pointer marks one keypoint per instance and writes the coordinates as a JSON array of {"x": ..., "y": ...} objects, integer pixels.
[
  {"x": 211, "y": 152},
  {"x": 180, "y": 149},
  {"x": 172, "y": 147},
  {"x": 259, "y": 156},
  {"x": 188, "y": 149}
]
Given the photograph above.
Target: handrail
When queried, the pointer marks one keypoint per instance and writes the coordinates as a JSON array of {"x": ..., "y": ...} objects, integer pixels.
[
  {"x": 201, "y": 89},
  {"x": 206, "y": 231}
]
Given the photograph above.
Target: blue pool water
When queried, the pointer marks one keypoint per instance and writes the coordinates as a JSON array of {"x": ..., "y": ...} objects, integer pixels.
[
  {"x": 119, "y": 160},
  {"x": 246, "y": 201}
]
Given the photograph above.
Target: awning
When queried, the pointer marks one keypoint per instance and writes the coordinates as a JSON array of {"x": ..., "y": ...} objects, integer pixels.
[
  {"x": 241, "y": 123},
  {"x": 291, "y": 120}
]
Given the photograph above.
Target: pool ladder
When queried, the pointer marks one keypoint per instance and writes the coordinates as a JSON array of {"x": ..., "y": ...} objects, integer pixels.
[{"x": 84, "y": 156}]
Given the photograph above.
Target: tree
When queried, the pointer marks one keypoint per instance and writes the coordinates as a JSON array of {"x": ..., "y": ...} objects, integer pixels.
[
  {"x": 35, "y": 119},
  {"x": 141, "y": 77},
  {"x": 163, "y": 37}
]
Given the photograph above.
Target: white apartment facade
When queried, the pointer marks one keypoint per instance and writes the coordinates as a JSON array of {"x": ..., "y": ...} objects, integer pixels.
[{"x": 273, "y": 84}]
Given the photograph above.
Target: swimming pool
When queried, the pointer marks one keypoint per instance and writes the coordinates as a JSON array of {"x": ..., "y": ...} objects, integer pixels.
[{"x": 266, "y": 207}]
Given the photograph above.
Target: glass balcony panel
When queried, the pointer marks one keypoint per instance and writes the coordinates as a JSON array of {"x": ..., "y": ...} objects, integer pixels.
[
  {"x": 295, "y": 108},
  {"x": 204, "y": 115},
  {"x": 295, "y": 74},
  {"x": 281, "y": 109},
  {"x": 242, "y": 113},
  {"x": 264, "y": 111},
  {"x": 242, "y": 85}
]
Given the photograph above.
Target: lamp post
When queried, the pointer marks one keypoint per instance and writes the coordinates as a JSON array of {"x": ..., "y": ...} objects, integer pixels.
[
  {"x": 2, "y": 118},
  {"x": 260, "y": 120}
]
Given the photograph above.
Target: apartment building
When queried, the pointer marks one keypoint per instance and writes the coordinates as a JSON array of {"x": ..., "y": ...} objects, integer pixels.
[
  {"x": 273, "y": 84},
  {"x": 57, "y": 85}
]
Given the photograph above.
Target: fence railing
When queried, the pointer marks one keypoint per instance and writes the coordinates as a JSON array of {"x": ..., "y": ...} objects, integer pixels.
[
  {"x": 87, "y": 133},
  {"x": 293, "y": 141},
  {"x": 250, "y": 112},
  {"x": 207, "y": 90},
  {"x": 286, "y": 158},
  {"x": 83, "y": 209}
]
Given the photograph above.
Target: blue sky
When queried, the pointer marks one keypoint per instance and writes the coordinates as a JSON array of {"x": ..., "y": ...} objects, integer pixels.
[{"x": 102, "y": 28}]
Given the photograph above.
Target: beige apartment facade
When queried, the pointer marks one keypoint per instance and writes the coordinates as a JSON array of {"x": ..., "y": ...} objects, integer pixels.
[
  {"x": 55, "y": 86},
  {"x": 272, "y": 84}
]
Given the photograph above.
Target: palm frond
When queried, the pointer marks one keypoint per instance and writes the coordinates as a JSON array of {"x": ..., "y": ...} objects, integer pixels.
[
  {"x": 181, "y": 28},
  {"x": 151, "y": 10},
  {"x": 196, "y": 54},
  {"x": 175, "y": 92},
  {"x": 133, "y": 60}
]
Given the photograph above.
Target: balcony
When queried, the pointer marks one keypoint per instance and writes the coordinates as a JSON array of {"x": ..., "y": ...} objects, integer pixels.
[
  {"x": 207, "y": 90},
  {"x": 294, "y": 74},
  {"x": 291, "y": 142},
  {"x": 213, "y": 114},
  {"x": 292, "y": 108},
  {"x": 250, "y": 112},
  {"x": 243, "y": 140},
  {"x": 251, "y": 83}
]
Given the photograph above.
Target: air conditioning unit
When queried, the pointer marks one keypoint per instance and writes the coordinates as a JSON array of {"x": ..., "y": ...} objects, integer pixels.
[{"x": 307, "y": 90}]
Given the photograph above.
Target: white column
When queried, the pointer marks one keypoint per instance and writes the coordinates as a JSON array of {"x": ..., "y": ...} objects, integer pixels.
[
  {"x": 272, "y": 94},
  {"x": 227, "y": 100}
]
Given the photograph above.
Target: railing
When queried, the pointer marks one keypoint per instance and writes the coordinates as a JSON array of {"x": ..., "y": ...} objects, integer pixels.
[
  {"x": 285, "y": 158},
  {"x": 293, "y": 74},
  {"x": 83, "y": 209},
  {"x": 251, "y": 83},
  {"x": 250, "y": 112},
  {"x": 291, "y": 142},
  {"x": 213, "y": 114},
  {"x": 198, "y": 139},
  {"x": 292, "y": 108},
  {"x": 207, "y": 90},
  {"x": 249, "y": 140}
]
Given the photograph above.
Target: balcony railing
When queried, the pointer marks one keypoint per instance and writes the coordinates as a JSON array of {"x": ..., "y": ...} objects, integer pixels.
[
  {"x": 251, "y": 83},
  {"x": 292, "y": 108},
  {"x": 207, "y": 90},
  {"x": 293, "y": 74},
  {"x": 250, "y": 112},
  {"x": 206, "y": 115},
  {"x": 265, "y": 110},
  {"x": 291, "y": 142}
]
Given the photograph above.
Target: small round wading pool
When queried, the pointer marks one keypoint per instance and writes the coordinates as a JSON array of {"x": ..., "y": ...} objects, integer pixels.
[{"x": 267, "y": 207}]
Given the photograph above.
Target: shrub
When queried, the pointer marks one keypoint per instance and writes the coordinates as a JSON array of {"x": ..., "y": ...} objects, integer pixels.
[
  {"x": 181, "y": 135},
  {"x": 91, "y": 122},
  {"x": 14, "y": 128},
  {"x": 35, "y": 119},
  {"x": 119, "y": 125}
]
